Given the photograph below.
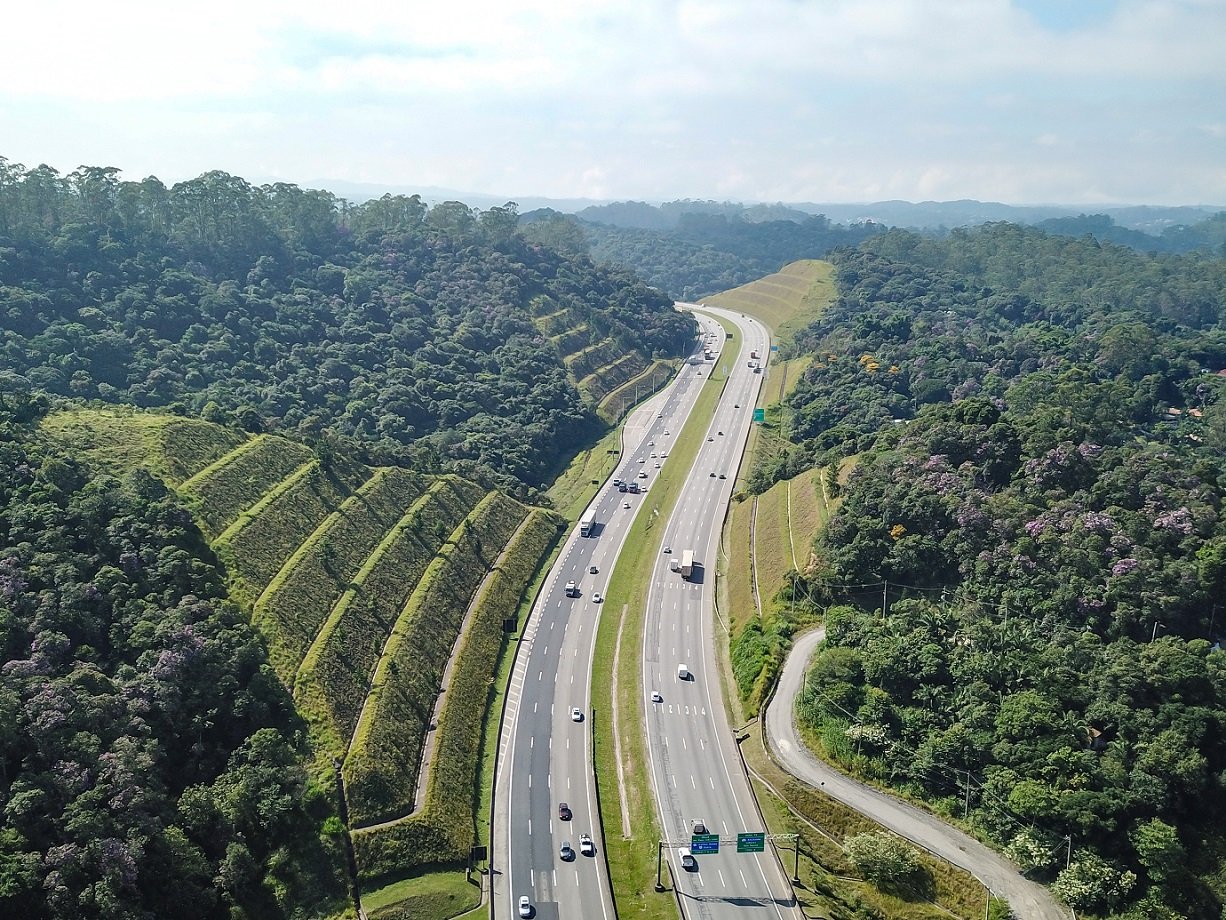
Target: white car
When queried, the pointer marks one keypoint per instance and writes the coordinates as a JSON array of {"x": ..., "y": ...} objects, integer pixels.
[
  {"x": 586, "y": 847},
  {"x": 657, "y": 464},
  {"x": 597, "y": 597},
  {"x": 525, "y": 907},
  {"x": 709, "y": 439},
  {"x": 576, "y": 714},
  {"x": 625, "y": 504},
  {"x": 666, "y": 431},
  {"x": 642, "y": 459},
  {"x": 656, "y": 697},
  {"x": 667, "y": 548}
]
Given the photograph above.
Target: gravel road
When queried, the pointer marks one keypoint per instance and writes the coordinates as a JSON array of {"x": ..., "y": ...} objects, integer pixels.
[{"x": 1030, "y": 901}]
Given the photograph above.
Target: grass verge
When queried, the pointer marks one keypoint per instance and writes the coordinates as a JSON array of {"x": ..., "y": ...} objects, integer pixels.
[{"x": 828, "y": 885}]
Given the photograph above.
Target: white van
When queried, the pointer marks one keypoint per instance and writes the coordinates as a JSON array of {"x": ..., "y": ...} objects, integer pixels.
[
  {"x": 687, "y": 859},
  {"x": 683, "y": 673}
]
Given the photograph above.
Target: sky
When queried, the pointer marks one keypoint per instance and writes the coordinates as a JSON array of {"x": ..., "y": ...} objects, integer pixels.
[{"x": 1019, "y": 101}]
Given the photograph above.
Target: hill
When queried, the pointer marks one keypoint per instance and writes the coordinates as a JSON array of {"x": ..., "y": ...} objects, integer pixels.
[
  {"x": 411, "y": 329},
  {"x": 1020, "y": 578},
  {"x": 786, "y": 301},
  {"x": 363, "y": 583}
]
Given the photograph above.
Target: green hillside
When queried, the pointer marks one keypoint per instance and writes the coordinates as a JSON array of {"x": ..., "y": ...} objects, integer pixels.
[
  {"x": 363, "y": 582},
  {"x": 786, "y": 301}
]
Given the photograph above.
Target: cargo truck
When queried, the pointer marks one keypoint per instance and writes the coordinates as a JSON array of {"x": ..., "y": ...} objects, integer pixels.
[
  {"x": 687, "y": 563},
  {"x": 587, "y": 523},
  {"x": 754, "y": 353}
]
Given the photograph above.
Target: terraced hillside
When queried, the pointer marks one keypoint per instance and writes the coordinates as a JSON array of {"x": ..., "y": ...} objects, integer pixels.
[
  {"x": 786, "y": 301},
  {"x": 604, "y": 369},
  {"x": 364, "y": 583}
]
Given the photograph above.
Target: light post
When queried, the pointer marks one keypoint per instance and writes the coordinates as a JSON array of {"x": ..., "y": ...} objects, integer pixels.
[
  {"x": 1068, "y": 856},
  {"x": 1157, "y": 626}
]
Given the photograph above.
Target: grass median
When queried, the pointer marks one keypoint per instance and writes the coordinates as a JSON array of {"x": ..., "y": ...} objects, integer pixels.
[{"x": 632, "y": 859}]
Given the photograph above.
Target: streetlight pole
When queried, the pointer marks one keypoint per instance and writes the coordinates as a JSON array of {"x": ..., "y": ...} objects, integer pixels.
[
  {"x": 1068, "y": 857},
  {"x": 659, "y": 864},
  {"x": 1154, "y": 634}
]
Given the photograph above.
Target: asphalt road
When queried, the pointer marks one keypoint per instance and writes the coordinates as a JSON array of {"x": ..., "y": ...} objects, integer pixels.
[
  {"x": 1029, "y": 900},
  {"x": 545, "y": 756},
  {"x": 696, "y": 771}
]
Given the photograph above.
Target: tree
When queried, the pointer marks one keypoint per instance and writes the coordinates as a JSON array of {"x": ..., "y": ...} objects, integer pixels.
[
  {"x": 883, "y": 859},
  {"x": 1092, "y": 883},
  {"x": 1158, "y": 849}
]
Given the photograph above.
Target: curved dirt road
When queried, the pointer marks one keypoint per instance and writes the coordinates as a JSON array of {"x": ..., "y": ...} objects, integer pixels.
[{"x": 1030, "y": 901}]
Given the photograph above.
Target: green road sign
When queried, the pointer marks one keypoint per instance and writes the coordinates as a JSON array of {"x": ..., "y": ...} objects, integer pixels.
[
  {"x": 750, "y": 843},
  {"x": 759, "y": 415},
  {"x": 704, "y": 843}
]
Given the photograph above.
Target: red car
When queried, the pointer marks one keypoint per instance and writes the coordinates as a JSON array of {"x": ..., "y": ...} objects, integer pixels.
[{"x": 563, "y": 811}]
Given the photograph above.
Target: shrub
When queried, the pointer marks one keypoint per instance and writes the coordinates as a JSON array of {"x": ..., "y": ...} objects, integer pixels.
[{"x": 883, "y": 859}]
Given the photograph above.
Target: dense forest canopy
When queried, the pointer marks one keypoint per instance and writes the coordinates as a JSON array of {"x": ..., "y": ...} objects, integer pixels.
[
  {"x": 1037, "y": 514},
  {"x": 695, "y": 248},
  {"x": 408, "y": 328}
]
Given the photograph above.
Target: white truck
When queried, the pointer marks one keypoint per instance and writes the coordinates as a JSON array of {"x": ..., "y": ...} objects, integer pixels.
[
  {"x": 587, "y": 523},
  {"x": 687, "y": 564}
]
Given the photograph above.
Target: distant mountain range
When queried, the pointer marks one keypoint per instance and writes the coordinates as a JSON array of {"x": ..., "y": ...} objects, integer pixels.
[{"x": 655, "y": 215}]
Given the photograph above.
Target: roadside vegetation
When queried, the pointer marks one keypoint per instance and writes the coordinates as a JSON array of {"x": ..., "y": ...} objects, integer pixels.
[{"x": 1023, "y": 575}]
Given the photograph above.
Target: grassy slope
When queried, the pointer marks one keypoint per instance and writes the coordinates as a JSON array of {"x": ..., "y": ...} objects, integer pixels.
[
  {"x": 332, "y": 682},
  {"x": 786, "y": 301},
  {"x": 380, "y": 770},
  {"x": 297, "y": 601},
  {"x": 120, "y": 439},
  {"x": 224, "y": 489}
]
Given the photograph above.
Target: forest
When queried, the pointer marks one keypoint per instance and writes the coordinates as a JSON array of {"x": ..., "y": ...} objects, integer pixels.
[
  {"x": 408, "y": 328},
  {"x": 1022, "y": 582},
  {"x": 151, "y": 763}
]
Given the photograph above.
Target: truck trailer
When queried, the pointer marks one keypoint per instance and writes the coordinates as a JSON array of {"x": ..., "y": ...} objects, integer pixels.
[{"x": 687, "y": 563}]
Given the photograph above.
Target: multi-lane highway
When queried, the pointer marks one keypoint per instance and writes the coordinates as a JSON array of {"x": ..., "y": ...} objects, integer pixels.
[
  {"x": 696, "y": 771},
  {"x": 544, "y": 754}
]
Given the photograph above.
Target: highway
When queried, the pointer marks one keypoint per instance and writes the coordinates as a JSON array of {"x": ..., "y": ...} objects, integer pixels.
[
  {"x": 545, "y": 756},
  {"x": 696, "y": 771}
]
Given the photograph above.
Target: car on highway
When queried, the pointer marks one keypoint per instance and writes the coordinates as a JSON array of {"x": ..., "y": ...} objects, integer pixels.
[
  {"x": 642, "y": 460},
  {"x": 525, "y": 907},
  {"x": 657, "y": 464},
  {"x": 661, "y": 415},
  {"x": 591, "y": 570},
  {"x": 666, "y": 431},
  {"x": 563, "y": 811},
  {"x": 736, "y": 405},
  {"x": 586, "y": 847},
  {"x": 720, "y": 433},
  {"x": 597, "y": 598},
  {"x": 642, "y": 474},
  {"x": 709, "y": 439},
  {"x": 576, "y": 714},
  {"x": 699, "y": 826},
  {"x": 722, "y": 476},
  {"x": 653, "y": 455},
  {"x": 625, "y": 504},
  {"x": 712, "y": 474},
  {"x": 656, "y": 697},
  {"x": 566, "y": 851},
  {"x": 667, "y": 548}
]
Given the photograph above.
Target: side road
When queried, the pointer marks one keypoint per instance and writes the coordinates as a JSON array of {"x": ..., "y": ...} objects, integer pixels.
[{"x": 1029, "y": 901}]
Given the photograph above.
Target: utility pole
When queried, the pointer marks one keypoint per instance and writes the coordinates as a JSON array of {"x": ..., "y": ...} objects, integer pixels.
[
  {"x": 1157, "y": 626},
  {"x": 659, "y": 865}
]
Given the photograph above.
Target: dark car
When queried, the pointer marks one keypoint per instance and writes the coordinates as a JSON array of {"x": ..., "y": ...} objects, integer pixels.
[{"x": 563, "y": 811}]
